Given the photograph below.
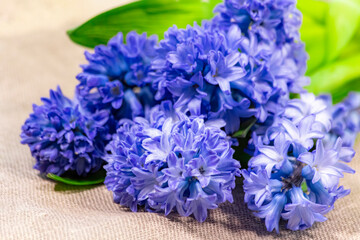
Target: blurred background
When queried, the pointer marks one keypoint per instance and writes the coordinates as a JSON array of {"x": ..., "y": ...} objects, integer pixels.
[
  {"x": 25, "y": 16},
  {"x": 36, "y": 52}
]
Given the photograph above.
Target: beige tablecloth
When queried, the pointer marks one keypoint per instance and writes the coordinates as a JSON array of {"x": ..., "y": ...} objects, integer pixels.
[{"x": 36, "y": 55}]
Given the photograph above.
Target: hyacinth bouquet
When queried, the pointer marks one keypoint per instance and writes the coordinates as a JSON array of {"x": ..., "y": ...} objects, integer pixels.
[{"x": 174, "y": 122}]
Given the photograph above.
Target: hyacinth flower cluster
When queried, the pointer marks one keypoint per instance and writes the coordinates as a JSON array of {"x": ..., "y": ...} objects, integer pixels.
[
  {"x": 198, "y": 68},
  {"x": 63, "y": 137},
  {"x": 117, "y": 76},
  {"x": 274, "y": 24},
  {"x": 275, "y": 21},
  {"x": 168, "y": 161},
  {"x": 346, "y": 119},
  {"x": 294, "y": 174},
  {"x": 270, "y": 27},
  {"x": 224, "y": 73},
  {"x": 159, "y": 118},
  {"x": 70, "y": 135},
  {"x": 204, "y": 70}
]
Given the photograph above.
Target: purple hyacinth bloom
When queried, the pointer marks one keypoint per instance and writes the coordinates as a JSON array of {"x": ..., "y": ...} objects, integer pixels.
[
  {"x": 271, "y": 212},
  {"x": 221, "y": 74},
  {"x": 204, "y": 50},
  {"x": 168, "y": 161},
  {"x": 301, "y": 212},
  {"x": 326, "y": 165},
  {"x": 115, "y": 69},
  {"x": 223, "y": 70},
  {"x": 243, "y": 63},
  {"x": 271, "y": 36},
  {"x": 308, "y": 104},
  {"x": 62, "y": 137},
  {"x": 112, "y": 93},
  {"x": 272, "y": 156},
  {"x": 278, "y": 20},
  {"x": 203, "y": 169},
  {"x": 289, "y": 177},
  {"x": 346, "y": 119},
  {"x": 259, "y": 186},
  {"x": 303, "y": 135},
  {"x": 204, "y": 73}
]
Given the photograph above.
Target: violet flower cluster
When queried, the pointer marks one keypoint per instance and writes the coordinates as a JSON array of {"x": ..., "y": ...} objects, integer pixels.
[
  {"x": 271, "y": 33},
  {"x": 295, "y": 171},
  {"x": 346, "y": 119},
  {"x": 63, "y": 137},
  {"x": 169, "y": 161},
  {"x": 159, "y": 118},
  {"x": 231, "y": 69},
  {"x": 117, "y": 76}
]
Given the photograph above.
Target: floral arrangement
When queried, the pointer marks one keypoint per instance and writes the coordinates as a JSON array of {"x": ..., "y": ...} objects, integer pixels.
[{"x": 171, "y": 120}]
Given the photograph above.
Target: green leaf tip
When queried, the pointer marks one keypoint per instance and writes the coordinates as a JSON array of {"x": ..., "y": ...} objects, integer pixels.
[
  {"x": 150, "y": 16},
  {"x": 242, "y": 133},
  {"x": 304, "y": 187},
  {"x": 76, "y": 182},
  {"x": 69, "y": 32}
]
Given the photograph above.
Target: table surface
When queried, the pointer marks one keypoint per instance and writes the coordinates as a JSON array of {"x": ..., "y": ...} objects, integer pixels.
[{"x": 36, "y": 55}]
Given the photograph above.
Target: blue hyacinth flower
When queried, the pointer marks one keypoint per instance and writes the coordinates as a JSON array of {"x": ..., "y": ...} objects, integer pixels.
[
  {"x": 117, "y": 76},
  {"x": 346, "y": 119},
  {"x": 295, "y": 171},
  {"x": 63, "y": 137},
  {"x": 174, "y": 163}
]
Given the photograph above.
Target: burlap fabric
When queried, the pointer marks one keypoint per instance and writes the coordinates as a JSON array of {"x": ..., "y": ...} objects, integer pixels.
[{"x": 35, "y": 55}]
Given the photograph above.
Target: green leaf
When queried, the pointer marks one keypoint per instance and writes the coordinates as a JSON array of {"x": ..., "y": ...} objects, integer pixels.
[
  {"x": 342, "y": 22},
  {"x": 96, "y": 178},
  {"x": 246, "y": 126},
  {"x": 332, "y": 77},
  {"x": 240, "y": 153},
  {"x": 304, "y": 187},
  {"x": 352, "y": 47},
  {"x": 315, "y": 9},
  {"x": 332, "y": 40},
  {"x": 343, "y": 91},
  {"x": 151, "y": 16},
  {"x": 309, "y": 31}
]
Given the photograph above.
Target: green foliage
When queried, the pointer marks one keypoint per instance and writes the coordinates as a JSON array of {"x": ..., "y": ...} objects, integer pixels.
[
  {"x": 334, "y": 77},
  {"x": 245, "y": 128},
  {"x": 341, "y": 23},
  {"x": 72, "y": 179},
  {"x": 151, "y": 16},
  {"x": 331, "y": 33},
  {"x": 313, "y": 34},
  {"x": 304, "y": 187}
]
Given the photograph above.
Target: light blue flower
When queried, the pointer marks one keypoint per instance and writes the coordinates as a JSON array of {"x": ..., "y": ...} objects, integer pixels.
[
  {"x": 285, "y": 161},
  {"x": 325, "y": 164},
  {"x": 271, "y": 212},
  {"x": 301, "y": 212},
  {"x": 308, "y": 104},
  {"x": 346, "y": 119},
  {"x": 223, "y": 70},
  {"x": 259, "y": 186},
  {"x": 271, "y": 156},
  {"x": 303, "y": 135}
]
